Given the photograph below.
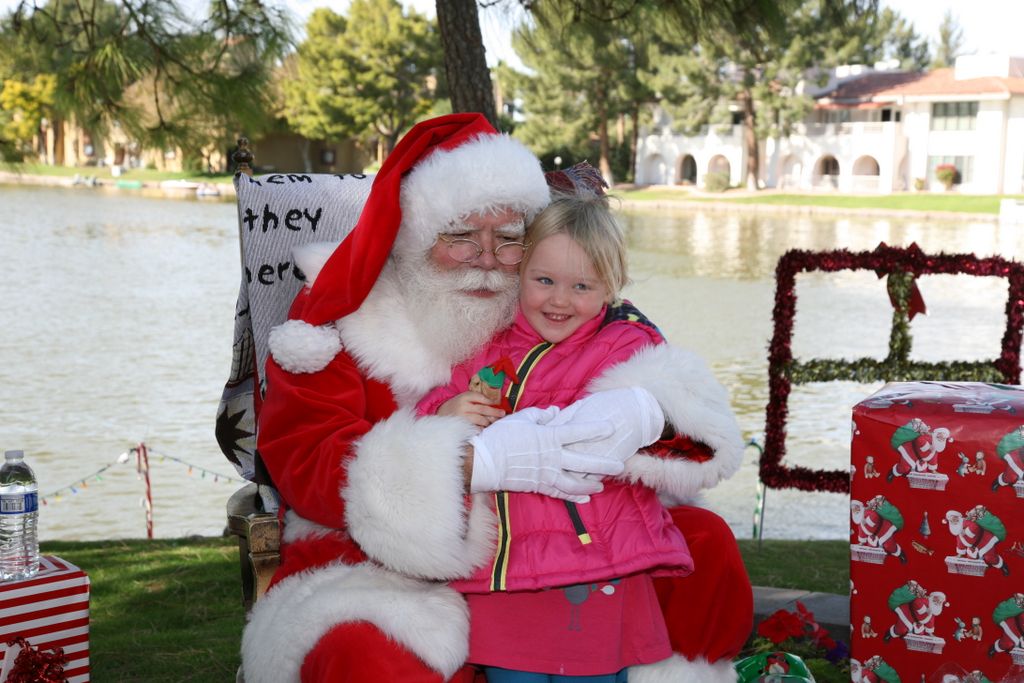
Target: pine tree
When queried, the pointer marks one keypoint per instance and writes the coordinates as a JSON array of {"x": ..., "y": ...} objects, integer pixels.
[
  {"x": 950, "y": 41},
  {"x": 369, "y": 76},
  {"x": 758, "y": 79},
  {"x": 585, "y": 77},
  {"x": 165, "y": 77}
]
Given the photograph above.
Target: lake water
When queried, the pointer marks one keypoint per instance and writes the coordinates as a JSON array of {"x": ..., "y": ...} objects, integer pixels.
[{"x": 116, "y": 313}]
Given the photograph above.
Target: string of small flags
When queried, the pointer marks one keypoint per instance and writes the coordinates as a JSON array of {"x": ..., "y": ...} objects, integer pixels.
[
  {"x": 83, "y": 483},
  {"x": 217, "y": 476},
  {"x": 77, "y": 486}
]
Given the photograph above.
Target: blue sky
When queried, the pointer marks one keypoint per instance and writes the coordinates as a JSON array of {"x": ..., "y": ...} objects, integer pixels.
[{"x": 988, "y": 25}]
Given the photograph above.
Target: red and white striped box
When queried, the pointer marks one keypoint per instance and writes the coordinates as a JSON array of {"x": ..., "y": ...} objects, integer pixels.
[{"x": 50, "y": 610}]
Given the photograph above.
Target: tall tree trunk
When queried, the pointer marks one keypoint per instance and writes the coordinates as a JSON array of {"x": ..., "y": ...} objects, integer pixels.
[
  {"x": 750, "y": 141},
  {"x": 634, "y": 140},
  {"x": 57, "y": 125},
  {"x": 469, "y": 80},
  {"x": 604, "y": 164},
  {"x": 307, "y": 162}
]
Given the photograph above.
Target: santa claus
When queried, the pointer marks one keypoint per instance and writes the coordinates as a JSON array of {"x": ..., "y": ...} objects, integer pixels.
[
  {"x": 381, "y": 508},
  {"x": 1011, "y": 450},
  {"x": 1009, "y": 618},
  {"x": 877, "y": 524},
  {"x": 918, "y": 448},
  {"x": 978, "y": 534},
  {"x": 915, "y": 610}
]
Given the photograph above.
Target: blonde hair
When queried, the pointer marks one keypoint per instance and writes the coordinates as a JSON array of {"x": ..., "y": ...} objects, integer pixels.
[{"x": 588, "y": 221}]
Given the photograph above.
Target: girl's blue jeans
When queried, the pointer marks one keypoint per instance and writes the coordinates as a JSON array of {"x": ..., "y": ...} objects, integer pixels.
[{"x": 496, "y": 675}]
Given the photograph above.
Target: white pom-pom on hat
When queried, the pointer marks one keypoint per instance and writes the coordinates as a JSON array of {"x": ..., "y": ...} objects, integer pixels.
[{"x": 299, "y": 347}]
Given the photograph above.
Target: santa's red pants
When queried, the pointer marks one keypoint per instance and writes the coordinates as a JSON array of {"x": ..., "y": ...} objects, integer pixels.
[{"x": 709, "y": 614}]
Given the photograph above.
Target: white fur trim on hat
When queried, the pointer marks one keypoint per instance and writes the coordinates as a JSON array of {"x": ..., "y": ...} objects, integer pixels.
[
  {"x": 695, "y": 404},
  {"x": 677, "y": 669},
  {"x": 429, "y": 619},
  {"x": 405, "y": 498},
  {"x": 311, "y": 257},
  {"x": 481, "y": 175},
  {"x": 299, "y": 347}
]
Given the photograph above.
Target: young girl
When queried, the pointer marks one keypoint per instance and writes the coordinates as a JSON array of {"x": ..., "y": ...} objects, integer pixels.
[{"x": 569, "y": 593}]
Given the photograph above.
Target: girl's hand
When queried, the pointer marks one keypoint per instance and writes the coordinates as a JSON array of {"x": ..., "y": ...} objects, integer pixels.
[{"x": 472, "y": 406}]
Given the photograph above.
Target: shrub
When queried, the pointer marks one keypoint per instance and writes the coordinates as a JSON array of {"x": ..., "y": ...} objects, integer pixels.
[
  {"x": 947, "y": 175},
  {"x": 716, "y": 181}
]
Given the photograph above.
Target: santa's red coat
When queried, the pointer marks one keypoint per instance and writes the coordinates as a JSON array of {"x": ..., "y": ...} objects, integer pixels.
[{"x": 376, "y": 520}]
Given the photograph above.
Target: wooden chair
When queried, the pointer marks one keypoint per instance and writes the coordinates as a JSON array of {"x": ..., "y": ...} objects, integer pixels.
[
  {"x": 259, "y": 542},
  {"x": 276, "y": 212}
]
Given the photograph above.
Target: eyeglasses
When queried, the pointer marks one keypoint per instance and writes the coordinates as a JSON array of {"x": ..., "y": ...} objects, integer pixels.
[{"x": 466, "y": 251}]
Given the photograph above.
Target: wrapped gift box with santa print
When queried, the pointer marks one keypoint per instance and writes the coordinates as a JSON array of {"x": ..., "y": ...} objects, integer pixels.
[{"x": 937, "y": 531}]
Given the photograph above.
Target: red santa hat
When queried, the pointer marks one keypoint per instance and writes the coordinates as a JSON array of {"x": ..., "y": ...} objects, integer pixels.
[{"x": 442, "y": 170}]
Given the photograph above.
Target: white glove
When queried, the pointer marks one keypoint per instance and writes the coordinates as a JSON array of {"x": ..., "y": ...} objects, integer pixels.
[
  {"x": 633, "y": 414},
  {"x": 521, "y": 453}
]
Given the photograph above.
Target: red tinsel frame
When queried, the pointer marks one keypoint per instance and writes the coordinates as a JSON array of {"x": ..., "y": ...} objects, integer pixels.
[{"x": 883, "y": 260}]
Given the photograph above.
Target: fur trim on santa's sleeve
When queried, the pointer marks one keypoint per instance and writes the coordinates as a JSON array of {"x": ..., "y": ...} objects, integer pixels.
[
  {"x": 695, "y": 404},
  {"x": 299, "y": 347},
  {"x": 677, "y": 669},
  {"x": 405, "y": 502},
  {"x": 430, "y": 619},
  {"x": 311, "y": 257}
]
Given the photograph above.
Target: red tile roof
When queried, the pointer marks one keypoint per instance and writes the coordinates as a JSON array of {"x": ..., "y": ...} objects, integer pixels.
[
  {"x": 942, "y": 82},
  {"x": 870, "y": 84},
  {"x": 937, "y": 83}
]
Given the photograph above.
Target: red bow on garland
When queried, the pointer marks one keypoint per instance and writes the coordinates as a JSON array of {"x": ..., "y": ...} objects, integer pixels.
[{"x": 915, "y": 302}]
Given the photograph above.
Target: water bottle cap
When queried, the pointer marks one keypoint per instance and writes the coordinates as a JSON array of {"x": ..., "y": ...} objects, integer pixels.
[{"x": 14, "y": 455}]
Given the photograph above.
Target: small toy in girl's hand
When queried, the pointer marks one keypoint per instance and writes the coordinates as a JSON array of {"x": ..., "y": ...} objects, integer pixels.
[{"x": 489, "y": 381}]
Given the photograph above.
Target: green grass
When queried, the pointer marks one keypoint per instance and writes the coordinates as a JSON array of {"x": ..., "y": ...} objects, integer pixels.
[
  {"x": 923, "y": 201},
  {"x": 103, "y": 172},
  {"x": 171, "y": 610},
  {"x": 822, "y": 566},
  {"x": 161, "y": 610}
]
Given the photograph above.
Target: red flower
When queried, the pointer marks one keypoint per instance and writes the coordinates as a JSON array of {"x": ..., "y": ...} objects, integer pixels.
[
  {"x": 822, "y": 639},
  {"x": 806, "y": 615},
  {"x": 781, "y": 625}
]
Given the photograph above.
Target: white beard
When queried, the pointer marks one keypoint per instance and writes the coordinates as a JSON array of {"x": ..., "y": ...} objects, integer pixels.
[{"x": 453, "y": 323}]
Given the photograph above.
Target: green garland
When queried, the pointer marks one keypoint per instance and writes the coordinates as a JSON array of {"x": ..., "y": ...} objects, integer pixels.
[{"x": 867, "y": 370}]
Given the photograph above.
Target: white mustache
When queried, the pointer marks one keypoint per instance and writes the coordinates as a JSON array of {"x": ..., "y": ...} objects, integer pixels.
[{"x": 476, "y": 279}]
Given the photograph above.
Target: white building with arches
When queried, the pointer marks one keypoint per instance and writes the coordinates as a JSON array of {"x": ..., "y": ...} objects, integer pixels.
[{"x": 872, "y": 130}]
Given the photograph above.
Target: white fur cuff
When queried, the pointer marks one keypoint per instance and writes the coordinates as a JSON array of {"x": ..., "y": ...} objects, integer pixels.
[
  {"x": 299, "y": 347},
  {"x": 429, "y": 619},
  {"x": 695, "y": 404},
  {"x": 405, "y": 498},
  {"x": 676, "y": 669}
]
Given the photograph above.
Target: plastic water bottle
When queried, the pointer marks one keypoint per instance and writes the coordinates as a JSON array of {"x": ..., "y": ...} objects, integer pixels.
[{"x": 19, "y": 513}]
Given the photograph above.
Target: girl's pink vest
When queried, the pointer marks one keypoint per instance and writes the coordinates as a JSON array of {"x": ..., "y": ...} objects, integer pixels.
[{"x": 544, "y": 542}]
